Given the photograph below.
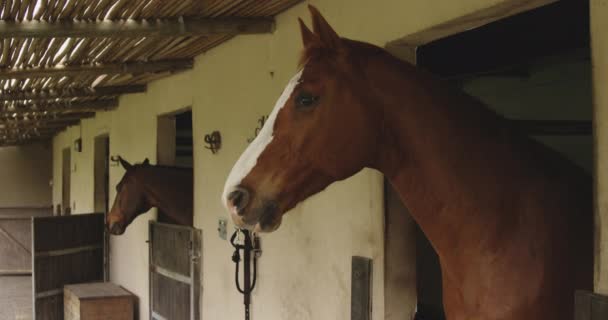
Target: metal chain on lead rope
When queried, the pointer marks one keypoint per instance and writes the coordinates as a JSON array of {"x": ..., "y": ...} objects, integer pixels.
[{"x": 247, "y": 244}]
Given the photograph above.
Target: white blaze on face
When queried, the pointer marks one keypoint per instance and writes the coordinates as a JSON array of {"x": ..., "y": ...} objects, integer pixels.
[{"x": 249, "y": 158}]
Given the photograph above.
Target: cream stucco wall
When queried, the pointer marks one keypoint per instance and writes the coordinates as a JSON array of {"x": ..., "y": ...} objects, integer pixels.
[
  {"x": 25, "y": 176},
  {"x": 599, "y": 45},
  {"x": 304, "y": 272}
]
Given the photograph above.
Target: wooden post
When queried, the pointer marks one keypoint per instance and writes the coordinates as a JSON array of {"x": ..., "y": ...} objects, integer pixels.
[{"x": 599, "y": 43}]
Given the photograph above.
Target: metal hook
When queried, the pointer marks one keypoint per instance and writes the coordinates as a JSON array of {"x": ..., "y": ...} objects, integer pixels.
[{"x": 214, "y": 141}]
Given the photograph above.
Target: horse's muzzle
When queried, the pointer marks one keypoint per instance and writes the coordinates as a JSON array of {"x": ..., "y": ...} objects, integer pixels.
[
  {"x": 238, "y": 200},
  {"x": 115, "y": 228},
  {"x": 265, "y": 218}
]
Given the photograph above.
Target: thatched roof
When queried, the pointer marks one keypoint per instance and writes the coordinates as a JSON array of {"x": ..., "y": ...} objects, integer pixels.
[{"x": 62, "y": 60}]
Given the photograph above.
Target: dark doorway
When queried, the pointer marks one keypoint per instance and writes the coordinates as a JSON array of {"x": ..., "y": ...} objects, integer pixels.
[
  {"x": 534, "y": 69},
  {"x": 174, "y": 144},
  {"x": 102, "y": 173},
  {"x": 66, "y": 178},
  {"x": 183, "y": 140}
]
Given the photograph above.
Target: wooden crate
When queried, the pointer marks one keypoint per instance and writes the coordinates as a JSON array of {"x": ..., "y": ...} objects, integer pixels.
[{"x": 97, "y": 301}]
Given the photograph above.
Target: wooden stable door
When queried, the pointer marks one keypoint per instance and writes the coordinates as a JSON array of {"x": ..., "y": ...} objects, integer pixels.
[
  {"x": 65, "y": 250},
  {"x": 15, "y": 246},
  {"x": 175, "y": 253}
]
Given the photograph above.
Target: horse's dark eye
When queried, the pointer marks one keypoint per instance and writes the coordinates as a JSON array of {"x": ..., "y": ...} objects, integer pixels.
[{"x": 306, "y": 100}]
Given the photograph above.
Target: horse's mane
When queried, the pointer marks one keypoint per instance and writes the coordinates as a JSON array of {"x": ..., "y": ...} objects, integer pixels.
[
  {"x": 317, "y": 51},
  {"x": 158, "y": 166}
]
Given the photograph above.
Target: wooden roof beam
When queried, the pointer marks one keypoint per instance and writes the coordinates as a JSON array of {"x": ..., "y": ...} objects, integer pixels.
[
  {"x": 19, "y": 142},
  {"x": 69, "y": 93},
  {"x": 115, "y": 68},
  {"x": 19, "y": 121},
  {"x": 554, "y": 127},
  {"x": 45, "y": 126},
  {"x": 41, "y": 131},
  {"x": 64, "y": 107},
  {"x": 176, "y": 27}
]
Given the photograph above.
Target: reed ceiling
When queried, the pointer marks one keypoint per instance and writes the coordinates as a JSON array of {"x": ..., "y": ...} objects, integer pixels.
[{"x": 63, "y": 60}]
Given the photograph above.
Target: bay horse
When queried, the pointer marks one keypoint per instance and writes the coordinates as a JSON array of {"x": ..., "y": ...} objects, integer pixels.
[
  {"x": 144, "y": 186},
  {"x": 510, "y": 219}
]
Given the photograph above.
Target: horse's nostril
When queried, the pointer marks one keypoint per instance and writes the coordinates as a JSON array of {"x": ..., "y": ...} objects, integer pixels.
[
  {"x": 115, "y": 229},
  {"x": 239, "y": 198}
]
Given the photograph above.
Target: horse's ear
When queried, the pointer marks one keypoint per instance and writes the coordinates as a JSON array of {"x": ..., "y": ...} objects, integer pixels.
[
  {"x": 308, "y": 37},
  {"x": 146, "y": 162},
  {"x": 125, "y": 164},
  {"x": 323, "y": 30}
]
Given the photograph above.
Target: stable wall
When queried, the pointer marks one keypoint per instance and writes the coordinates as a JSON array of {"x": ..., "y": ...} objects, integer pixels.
[
  {"x": 25, "y": 175},
  {"x": 304, "y": 272}
]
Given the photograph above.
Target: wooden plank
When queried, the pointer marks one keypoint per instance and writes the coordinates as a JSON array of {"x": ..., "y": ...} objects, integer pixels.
[
  {"x": 15, "y": 273},
  {"x": 156, "y": 316},
  {"x": 469, "y": 21},
  {"x": 96, "y": 290},
  {"x": 182, "y": 27},
  {"x": 69, "y": 93},
  {"x": 92, "y": 70},
  {"x": 51, "y": 271},
  {"x": 49, "y": 293},
  {"x": 553, "y": 127},
  {"x": 172, "y": 275},
  {"x": 67, "y": 251}
]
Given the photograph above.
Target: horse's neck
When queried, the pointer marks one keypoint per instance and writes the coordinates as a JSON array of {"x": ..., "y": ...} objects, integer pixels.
[
  {"x": 428, "y": 151},
  {"x": 171, "y": 191}
]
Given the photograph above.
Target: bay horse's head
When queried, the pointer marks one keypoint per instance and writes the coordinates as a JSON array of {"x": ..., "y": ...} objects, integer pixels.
[
  {"x": 130, "y": 201},
  {"x": 319, "y": 131}
]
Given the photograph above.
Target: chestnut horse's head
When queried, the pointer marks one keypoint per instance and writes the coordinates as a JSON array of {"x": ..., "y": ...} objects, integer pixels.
[
  {"x": 320, "y": 131},
  {"x": 131, "y": 200}
]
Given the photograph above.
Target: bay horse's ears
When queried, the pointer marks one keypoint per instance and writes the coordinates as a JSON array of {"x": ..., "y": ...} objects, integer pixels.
[
  {"x": 125, "y": 164},
  {"x": 146, "y": 162},
  {"x": 323, "y": 30}
]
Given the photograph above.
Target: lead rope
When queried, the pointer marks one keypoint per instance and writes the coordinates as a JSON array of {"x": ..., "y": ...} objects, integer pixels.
[{"x": 248, "y": 245}]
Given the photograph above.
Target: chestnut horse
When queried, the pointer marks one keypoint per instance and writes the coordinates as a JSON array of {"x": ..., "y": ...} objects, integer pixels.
[
  {"x": 510, "y": 219},
  {"x": 144, "y": 186}
]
